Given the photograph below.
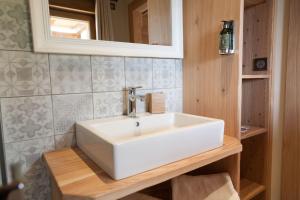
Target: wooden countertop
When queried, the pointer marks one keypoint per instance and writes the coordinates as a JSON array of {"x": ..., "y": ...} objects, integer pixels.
[{"x": 75, "y": 175}]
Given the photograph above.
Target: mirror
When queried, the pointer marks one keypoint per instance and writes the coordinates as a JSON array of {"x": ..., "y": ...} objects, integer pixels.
[
  {"x": 130, "y": 21},
  {"x": 136, "y": 28}
]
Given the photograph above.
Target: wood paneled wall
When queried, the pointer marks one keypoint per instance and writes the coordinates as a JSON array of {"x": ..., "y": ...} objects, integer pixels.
[
  {"x": 291, "y": 136},
  {"x": 212, "y": 84},
  {"x": 255, "y": 102},
  {"x": 257, "y": 31},
  {"x": 160, "y": 22}
]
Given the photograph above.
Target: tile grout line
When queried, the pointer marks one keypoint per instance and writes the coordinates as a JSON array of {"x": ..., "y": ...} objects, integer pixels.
[
  {"x": 65, "y": 94},
  {"x": 92, "y": 85},
  {"x": 20, "y": 50},
  {"x": 152, "y": 61},
  {"x": 2, "y": 149},
  {"x": 52, "y": 103},
  {"x": 32, "y": 139},
  {"x": 124, "y": 92},
  {"x": 174, "y": 84},
  {"x": 124, "y": 68}
]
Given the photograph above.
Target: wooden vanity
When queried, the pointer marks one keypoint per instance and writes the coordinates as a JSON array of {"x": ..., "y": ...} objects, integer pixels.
[{"x": 75, "y": 176}]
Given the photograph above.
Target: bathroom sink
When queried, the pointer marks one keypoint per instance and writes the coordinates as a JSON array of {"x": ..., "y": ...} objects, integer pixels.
[{"x": 124, "y": 146}]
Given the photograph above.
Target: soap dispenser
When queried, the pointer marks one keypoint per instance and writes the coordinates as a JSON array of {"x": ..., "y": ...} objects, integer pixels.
[{"x": 226, "y": 45}]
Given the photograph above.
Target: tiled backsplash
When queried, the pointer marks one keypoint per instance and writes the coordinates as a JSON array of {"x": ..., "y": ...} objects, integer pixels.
[
  {"x": 15, "y": 31},
  {"x": 43, "y": 95}
]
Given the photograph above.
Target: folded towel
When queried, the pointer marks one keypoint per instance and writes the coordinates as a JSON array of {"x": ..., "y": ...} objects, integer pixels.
[
  {"x": 204, "y": 187},
  {"x": 139, "y": 196}
]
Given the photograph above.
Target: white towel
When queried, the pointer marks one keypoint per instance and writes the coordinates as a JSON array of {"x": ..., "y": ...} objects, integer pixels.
[{"x": 204, "y": 187}]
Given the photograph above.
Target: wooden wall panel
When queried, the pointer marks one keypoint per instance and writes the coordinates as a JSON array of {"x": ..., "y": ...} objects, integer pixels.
[
  {"x": 253, "y": 155},
  {"x": 291, "y": 136},
  {"x": 160, "y": 22},
  {"x": 257, "y": 97},
  {"x": 255, "y": 102},
  {"x": 212, "y": 82},
  {"x": 256, "y": 36}
]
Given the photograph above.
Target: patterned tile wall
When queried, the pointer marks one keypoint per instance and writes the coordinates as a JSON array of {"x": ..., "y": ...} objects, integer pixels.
[
  {"x": 70, "y": 74},
  {"x": 67, "y": 109},
  {"x": 23, "y": 74},
  {"x": 43, "y": 95},
  {"x": 108, "y": 73},
  {"x": 26, "y": 118},
  {"x": 15, "y": 31}
]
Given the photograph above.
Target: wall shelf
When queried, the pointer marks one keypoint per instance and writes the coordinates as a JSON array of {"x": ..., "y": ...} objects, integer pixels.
[
  {"x": 248, "y": 92},
  {"x": 252, "y": 131},
  {"x": 75, "y": 175},
  {"x": 256, "y": 76},
  {"x": 250, "y": 189},
  {"x": 256, "y": 101}
]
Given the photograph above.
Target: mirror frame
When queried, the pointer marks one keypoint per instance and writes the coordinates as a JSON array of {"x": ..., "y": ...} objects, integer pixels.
[{"x": 43, "y": 42}]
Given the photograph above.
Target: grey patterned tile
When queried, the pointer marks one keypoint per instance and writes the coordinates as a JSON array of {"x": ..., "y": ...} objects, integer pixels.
[
  {"x": 173, "y": 99},
  {"x": 70, "y": 74},
  {"x": 28, "y": 154},
  {"x": 15, "y": 32},
  {"x": 163, "y": 73},
  {"x": 108, "y": 73},
  {"x": 138, "y": 72},
  {"x": 67, "y": 109},
  {"x": 64, "y": 141},
  {"x": 108, "y": 104},
  {"x": 178, "y": 73},
  {"x": 179, "y": 100},
  {"x": 24, "y": 74},
  {"x": 26, "y": 118},
  {"x": 143, "y": 106},
  {"x": 37, "y": 180}
]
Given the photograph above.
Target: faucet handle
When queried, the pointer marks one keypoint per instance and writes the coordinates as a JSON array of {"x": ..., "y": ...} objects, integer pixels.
[{"x": 133, "y": 89}]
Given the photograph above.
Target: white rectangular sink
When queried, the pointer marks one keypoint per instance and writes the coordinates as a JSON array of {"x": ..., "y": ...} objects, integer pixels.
[{"x": 125, "y": 146}]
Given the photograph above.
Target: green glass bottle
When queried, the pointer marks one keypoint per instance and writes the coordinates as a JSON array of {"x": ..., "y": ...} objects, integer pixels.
[{"x": 226, "y": 45}]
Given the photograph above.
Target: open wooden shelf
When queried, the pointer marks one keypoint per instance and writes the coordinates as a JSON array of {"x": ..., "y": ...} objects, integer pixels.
[
  {"x": 250, "y": 189},
  {"x": 75, "y": 175},
  {"x": 256, "y": 76},
  {"x": 256, "y": 110},
  {"x": 252, "y": 131}
]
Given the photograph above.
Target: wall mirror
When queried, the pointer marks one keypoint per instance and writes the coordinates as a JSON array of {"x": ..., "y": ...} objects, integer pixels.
[{"x": 144, "y": 28}]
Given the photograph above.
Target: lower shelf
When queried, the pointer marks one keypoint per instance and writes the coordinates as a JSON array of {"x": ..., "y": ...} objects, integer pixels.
[
  {"x": 252, "y": 131},
  {"x": 250, "y": 189},
  {"x": 258, "y": 76}
]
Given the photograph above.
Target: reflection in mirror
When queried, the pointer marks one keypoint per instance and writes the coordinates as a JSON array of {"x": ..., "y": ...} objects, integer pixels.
[{"x": 134, "y": 21}]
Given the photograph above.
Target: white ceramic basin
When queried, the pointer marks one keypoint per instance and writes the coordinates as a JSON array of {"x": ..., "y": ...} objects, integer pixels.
[{"x": 125, "y": 146}]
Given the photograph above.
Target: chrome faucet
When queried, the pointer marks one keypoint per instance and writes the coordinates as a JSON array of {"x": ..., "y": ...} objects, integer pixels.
[{"x": 131, "y": 101}]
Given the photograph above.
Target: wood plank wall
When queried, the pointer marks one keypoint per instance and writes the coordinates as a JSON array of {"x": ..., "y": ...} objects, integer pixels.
[
  {"x": 291, "y": 135},
  {"x": 257, "y": 30},
  {"x": 212, "y": 84}
]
